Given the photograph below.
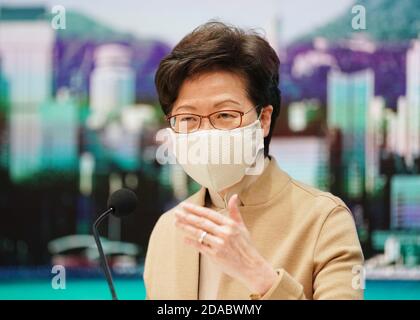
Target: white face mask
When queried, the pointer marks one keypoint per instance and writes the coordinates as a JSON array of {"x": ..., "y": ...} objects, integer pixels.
[{"x": 218, "y": 159}]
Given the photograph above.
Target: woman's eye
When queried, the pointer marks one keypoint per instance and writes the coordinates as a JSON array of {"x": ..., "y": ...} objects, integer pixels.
[
  {"x": 225, "y": 115},
  {"x": 188, "y": 119}
]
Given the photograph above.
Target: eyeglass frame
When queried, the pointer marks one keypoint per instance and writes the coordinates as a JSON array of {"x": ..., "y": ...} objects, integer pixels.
[{"x": 242, "y": 113}]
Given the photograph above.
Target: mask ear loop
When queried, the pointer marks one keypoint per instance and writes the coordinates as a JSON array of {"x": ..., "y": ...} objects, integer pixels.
[{"x": 259, "y": 115}]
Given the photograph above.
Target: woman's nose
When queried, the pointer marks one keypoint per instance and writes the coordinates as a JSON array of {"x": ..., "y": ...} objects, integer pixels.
[{"x": 205, "y": 124}]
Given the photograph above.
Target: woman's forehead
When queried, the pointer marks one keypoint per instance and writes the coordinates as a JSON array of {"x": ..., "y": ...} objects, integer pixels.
[{"x": 212, "y": 89}]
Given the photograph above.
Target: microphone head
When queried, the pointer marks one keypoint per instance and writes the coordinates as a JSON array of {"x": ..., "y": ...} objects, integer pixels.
[{"x": 123, "y": 201}]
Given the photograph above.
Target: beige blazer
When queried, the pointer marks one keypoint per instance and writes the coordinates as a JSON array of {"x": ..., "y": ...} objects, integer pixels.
[{"x": 308, "y": 234}]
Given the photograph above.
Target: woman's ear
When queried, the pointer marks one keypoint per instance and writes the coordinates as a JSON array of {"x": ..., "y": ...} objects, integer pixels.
[{"x": 265, "y": 119}]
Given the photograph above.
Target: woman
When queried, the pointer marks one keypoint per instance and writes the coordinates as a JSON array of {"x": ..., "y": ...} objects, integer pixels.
[{"x": 242, "y": 235}]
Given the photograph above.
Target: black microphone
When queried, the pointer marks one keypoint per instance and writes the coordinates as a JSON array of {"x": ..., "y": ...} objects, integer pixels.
[{"x": 121, "y": 203}]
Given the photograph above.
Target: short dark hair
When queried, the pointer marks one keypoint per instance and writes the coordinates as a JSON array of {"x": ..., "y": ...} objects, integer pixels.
[{"x": 216, "y": 46}]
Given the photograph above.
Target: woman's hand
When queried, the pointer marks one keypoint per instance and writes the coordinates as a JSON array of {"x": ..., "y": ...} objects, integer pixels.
[{"x": 227, "y": 243}]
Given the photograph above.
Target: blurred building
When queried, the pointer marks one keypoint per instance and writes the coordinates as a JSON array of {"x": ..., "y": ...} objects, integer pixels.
[
  {"x": 121, "y": 141},
  {"x": 59, "y": 134},
  {"x": 391, "y": 125},
  {"x": 112, "y": 83},
  {"x": 374, "y": 143},
  {"x": 405, "y": 202},
  {"x": 402, "y": 126},
  {"x": 43, "y": 141},
  {"x": 413, "y": 101},
  {"x": 397, "y": 131},
  {"x": 303, "y": 113},
  {"x": 24, "y": 145},
  {"x": 26, "y": 50},
  {"x": 4, "y": 91},
  {"x": 85, "y": 205},
  {"x": 349, "y": 97},
  {"x": 274, "y": 34},
  {"x": 311, "y": 169}
]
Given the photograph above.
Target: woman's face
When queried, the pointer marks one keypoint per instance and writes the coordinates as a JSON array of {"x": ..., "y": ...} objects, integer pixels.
[{"x": 217, "y": 91}]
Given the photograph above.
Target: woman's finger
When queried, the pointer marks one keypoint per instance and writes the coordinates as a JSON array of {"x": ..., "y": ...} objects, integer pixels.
[
  {"x": 196, "y": 233},
  {"x": 203, "y": 248},
  {"x": 198, "y": 222},
  {"x": 210, "y": 214},
  {"x": 234, "y": 212}
]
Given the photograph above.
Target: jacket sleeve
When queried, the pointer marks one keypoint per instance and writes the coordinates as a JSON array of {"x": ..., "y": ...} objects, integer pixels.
[
  {"x": 148, "y": 263},
  {"x": 337, "y": 258},
  {"x": 284, "y": 288},
  {"x": 146, "y": 271},
  {"x": 337, "y": 252}
]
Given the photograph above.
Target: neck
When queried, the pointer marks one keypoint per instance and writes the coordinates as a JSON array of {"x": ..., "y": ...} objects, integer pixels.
[{"x": 220, "y": 199}]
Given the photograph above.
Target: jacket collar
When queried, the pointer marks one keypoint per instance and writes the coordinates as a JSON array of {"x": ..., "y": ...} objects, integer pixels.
[{"x": 261, "y": 189}]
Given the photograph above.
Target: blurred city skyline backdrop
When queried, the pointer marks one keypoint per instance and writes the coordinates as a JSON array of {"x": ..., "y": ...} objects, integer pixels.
[
  {"x": 183, "y": 16},
  {"x": 79, "y": 115}
]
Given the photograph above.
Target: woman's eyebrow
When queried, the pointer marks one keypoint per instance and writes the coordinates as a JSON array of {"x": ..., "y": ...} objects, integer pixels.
[
  {"x": 219, "y": 104},
  {"x": 186, "y": 106}
]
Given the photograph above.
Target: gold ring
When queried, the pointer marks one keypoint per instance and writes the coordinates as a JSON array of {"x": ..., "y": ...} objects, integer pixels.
[{"x": 202, "y": 236}]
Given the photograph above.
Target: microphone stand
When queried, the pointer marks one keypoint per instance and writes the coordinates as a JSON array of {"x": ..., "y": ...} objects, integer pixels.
[{"x": 102, "y": 257}]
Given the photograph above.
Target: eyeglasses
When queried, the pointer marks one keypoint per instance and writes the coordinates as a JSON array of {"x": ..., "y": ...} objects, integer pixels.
[{"x": 222, "y": 120}]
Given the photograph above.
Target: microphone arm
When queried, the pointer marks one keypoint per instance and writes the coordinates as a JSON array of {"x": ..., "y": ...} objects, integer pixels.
[{"x": 102, "y": 257}]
